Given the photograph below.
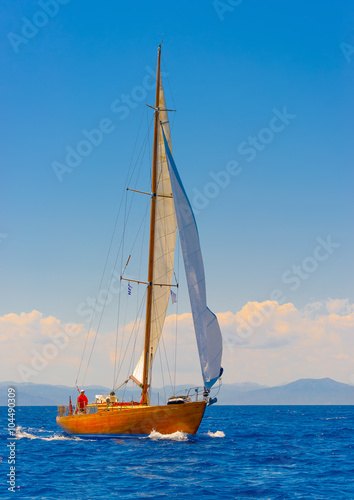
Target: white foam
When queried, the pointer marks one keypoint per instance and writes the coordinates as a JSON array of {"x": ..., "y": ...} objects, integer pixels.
[
  {"x": 217, "y": 434},
  {"x": 175, "y": 436},
  {"x": 21, "y": 434},
  {"x": 334, "y": 418}
]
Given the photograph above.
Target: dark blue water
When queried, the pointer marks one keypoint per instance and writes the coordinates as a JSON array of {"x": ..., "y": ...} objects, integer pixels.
[{"x": 272, "y": 452}]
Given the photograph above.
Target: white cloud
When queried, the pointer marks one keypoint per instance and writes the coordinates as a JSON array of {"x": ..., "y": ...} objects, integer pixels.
[
  {"x": 288, "y": 343},
  {"x": 33, "y": 346},
  {"x": 339, "y": 306},
  {"x": 263, "y": 342}
]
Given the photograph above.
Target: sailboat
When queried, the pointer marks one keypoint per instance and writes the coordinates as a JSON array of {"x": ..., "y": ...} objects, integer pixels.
[{"x": 170, "y": 211}]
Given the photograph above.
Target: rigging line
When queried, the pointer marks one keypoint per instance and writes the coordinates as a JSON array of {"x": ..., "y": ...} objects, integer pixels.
[
  {"x": 217, "y": 388},
  {"x": 121, "y": 245},
  {"x": 116, "y": 366},
  {"x": 120, "y": 289},
  {"x": 99, "y": 289},
  {"x": 149, "y": 141},
  {"x": 120, "y": 386},
  {"x": 135, "y": 330},
  {"x": 137, "y": 136},
  {"x": 98, "y": 327},
  {"x": 138, "y": 310},
  {"x": 163, "y": 378},
  {"x": 168, "y": 367},
  {"x": 123, "y": 333},
  {"x": 111, "y": 241},
  {"x": 100, "y": 320},
  {"x": 145, "y": 145},
  {"x": 125, "y": 388},
  {"x": 170, "y": 88},
  {"x": 142, "y": 224},
  {"x": 163, "y": 216},
  {"x": 128, "y": 180},
  {"x": 126, "y": 308},
  {"x": 168, "y": 80},
  {"x": 141, "y": 152},
  {"x": 149, "y": 147},
  {"x": 142, "y": 249},
  {"x": 138, "y": 162},
  {"x": 127, "y": 214},
  {"x": 112, "y": 238},
  {"x": 125, "y": 220},
  {"x": 129, "y": 211},
  {"x": 117, "y": 334},
  {"x": 176, "y": 325},
  {"x": 161, "y": 339},
  {"x": 115, "y": 265}
]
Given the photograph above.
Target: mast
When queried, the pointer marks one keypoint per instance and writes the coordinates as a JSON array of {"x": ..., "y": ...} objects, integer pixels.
[{"x": 144, "y": 395}]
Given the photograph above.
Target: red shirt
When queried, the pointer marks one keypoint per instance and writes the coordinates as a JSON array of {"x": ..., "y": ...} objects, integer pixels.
[{"x": 82, "y": 402}]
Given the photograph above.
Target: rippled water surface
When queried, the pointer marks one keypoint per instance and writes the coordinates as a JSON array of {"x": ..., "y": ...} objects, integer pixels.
[{"x": 267, "y": 452}]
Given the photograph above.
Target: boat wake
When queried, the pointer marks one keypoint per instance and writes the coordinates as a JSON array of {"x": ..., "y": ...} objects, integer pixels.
[
  {"x": 217, "y": 434},
  {"x": 22, "y": 434},
  {"x": 175, "y": 436}
]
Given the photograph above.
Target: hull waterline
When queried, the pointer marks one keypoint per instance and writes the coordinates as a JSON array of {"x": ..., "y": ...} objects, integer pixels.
[{"x": 140, "y": 420}]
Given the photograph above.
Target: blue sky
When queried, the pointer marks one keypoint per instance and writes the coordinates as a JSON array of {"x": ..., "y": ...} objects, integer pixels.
[{"x": 231, "y": 73}]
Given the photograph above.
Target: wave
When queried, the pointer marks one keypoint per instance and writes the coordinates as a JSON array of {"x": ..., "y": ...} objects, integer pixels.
[
  {"x": 21, "y": 434},
  {"x": 175, "y": 436},
  {"x": 217, "y": 434},
  {"x": 334, "y": 418}
]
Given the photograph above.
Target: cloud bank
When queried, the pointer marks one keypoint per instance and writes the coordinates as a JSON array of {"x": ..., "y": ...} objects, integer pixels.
[{"x": 265, "y": 342}]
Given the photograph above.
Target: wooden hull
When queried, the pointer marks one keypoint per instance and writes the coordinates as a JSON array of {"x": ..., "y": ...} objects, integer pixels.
[{"x": 165, "y": 419}]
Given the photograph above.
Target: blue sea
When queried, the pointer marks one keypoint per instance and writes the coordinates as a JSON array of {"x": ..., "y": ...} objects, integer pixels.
[{"x": 263, "y": 452}]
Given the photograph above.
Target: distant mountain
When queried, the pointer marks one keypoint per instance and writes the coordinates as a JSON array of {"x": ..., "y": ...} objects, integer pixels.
[
  {"x": 323, "y": 391},
  {"x": 28, "y": 394},
  {"x": 302, "y": 392}
]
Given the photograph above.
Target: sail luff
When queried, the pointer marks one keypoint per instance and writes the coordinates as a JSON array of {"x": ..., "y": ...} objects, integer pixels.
[{"x": 144, "y": 395}]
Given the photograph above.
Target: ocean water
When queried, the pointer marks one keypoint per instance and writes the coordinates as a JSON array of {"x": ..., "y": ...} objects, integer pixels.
[{"x": 262, "y": 452}]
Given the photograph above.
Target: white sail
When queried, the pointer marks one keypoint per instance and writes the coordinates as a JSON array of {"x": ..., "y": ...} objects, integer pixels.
[
  {"x": 165, "y": 240},
  {"x": 206, "y": 325}
]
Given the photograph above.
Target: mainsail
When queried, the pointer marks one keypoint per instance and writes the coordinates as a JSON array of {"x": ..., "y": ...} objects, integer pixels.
[
  {"x": 165, "y": 241},
  {"x": 206, "y": 325}
]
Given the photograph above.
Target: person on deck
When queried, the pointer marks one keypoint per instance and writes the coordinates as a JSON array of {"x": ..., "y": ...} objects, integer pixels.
[
  {"x": 113, "y": 397},
  {"x": 82, "y": 402}
]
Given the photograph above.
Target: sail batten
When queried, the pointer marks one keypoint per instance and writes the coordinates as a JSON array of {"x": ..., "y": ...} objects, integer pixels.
[{"x": 206, "y": 325}]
